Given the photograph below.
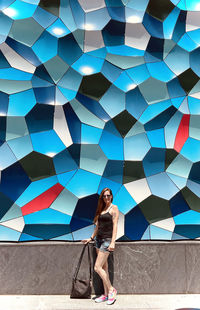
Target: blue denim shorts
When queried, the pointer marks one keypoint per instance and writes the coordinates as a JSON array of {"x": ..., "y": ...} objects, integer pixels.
[{"x": 102, "y": 244}]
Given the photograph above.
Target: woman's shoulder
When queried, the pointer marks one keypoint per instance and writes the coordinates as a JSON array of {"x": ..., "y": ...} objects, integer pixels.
[{"x": 114, "y": 207}]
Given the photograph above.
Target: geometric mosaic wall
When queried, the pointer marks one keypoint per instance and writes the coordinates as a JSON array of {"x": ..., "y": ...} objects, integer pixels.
[{"x": 94, "y": 94}]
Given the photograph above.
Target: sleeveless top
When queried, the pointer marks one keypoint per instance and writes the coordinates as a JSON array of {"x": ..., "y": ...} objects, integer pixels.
[{"x": 105, "y": 225}]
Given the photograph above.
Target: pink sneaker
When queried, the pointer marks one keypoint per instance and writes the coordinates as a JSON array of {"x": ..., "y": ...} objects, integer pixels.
[
  {"x": 101, "y": 298},
  {"x": 112, "y": 297}
]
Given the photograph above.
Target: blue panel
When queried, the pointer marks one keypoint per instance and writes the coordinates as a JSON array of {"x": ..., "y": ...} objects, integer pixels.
[
  {"x": 41, "y": 143},
  {"x": 16, "y": 103},
  {"x": 47, "y": 216},
  {"x": 41, "y": 47},
  {"x": 157, "y": 233},
  {"x": 124, "y": 201},
  {"x": 154, "y": 162},
  {"x": 85, "y": 188},
  {"x": 156, "y": 138},
  {"x": 135, "y": 224},
  {"x": 191, "y": 144},
  {"x": 8, "y": 234}
]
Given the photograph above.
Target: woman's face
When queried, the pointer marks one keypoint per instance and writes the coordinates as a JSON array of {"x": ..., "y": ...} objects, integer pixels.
[{"x": 107, "y": 197}]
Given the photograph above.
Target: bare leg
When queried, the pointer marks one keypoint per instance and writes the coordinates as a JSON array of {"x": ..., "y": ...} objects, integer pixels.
[
  {"x": 105, "y": 267},
  {"x": 101, "y": 260}
]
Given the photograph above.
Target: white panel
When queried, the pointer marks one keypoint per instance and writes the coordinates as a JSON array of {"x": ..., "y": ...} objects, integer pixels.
[
  {"x": 93, "y": 41},
  {"x": 192, "y": 20},
  {"x": 91, "y": 5},
  {"x": 167, "y": 224},
  {"x": 139, "y": 190},
  {"x": 16, "y": 224},
  {"x": 15, "y": 60},
  {"x": 60, "y": 126},
  {"x": 136, "y": 36}
]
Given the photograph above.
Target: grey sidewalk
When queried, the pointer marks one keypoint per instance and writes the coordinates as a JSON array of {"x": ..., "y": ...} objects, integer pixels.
[{"x": 124, "y": 302}]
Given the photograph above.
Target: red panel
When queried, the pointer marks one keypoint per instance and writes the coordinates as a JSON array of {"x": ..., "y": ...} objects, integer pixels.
[
  {"x": 43, "y": 201},
  {"x": 182, "y": 133}
]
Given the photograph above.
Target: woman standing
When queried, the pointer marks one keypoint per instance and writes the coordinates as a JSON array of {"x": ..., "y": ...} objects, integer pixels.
[{"x": 106, "y": 220}]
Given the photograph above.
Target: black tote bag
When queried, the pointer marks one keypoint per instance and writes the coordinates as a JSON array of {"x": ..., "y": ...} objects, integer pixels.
[{"x": 81, "y": 288}]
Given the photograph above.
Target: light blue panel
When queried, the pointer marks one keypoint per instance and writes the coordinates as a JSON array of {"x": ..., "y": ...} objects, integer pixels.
[
  {"x": 187, "y": 218},
  {"x": 194, "y": 145},
  {"x": 157, "y": 138},
  {"x": 194, "y": 105},
  {"x": 138, "y": 74},
  {"x": 141, "y": 5},
  {"x": 64, "y": 178},
  {"x": 90, "y": 134},
  {"x": 124, "y": 201},
  {"x": 67, "y": 237},
  {"x": 170, "y": 22},
  {"x": 192, "y": 5},
  {"x": 71, "y": 80},
  {"x": 47, "y": 143},
  {"x": 21, "y": 9},
  {"x": 68, "y": 93},
  {"x": 177, "y": 102},
  {"x": 7, "y": 158},
  {"x": 97, "y": 19},
  {"x": 178, "y": 60},
  {"x": 42, "y": 47},
  {"x": 66, "y": 15},
  {"x": 178, "y": 181},
  {"x": 21, "y": 103},
  {"x": 136, "y": 147},
  {"x": 195, "y": 36},
  {"x": 35, "y": 189},
  {"x": 146, "y": 235},
  {"x": 153, "y": 110},
  {"x": 32, "y": 1},
  {"x": 8, "y": 234},
  {"x": 187, "y": 43},
  {"x": 5, "y": 3},
  {"x": 100, "y": 53},
  {"x": 160, "y": 71},
  {"x": 113, "y": 101},
  {"x": 180, "y": 166},
  {"x": 124, "y": 82},
  {"x": 159, "y": 183},
  {"x": 157, "y": 233},
  {"x": 124, "y": 50},
  {"x": 194, "y": 129},
  {"x": 14, "y": 74},
  {"x": 21, "y": 146},
  {"x": 5, "y": 25},
  {"x": 25, "y": 237},
  {"x": 181, "y": 5},
  {"x": 47, "y": 216},
  {"x": 43, "y": 17},
  {"x": 194, "y": 187},
  {"x": 88, "y": 183},
  {"x": 92, "y": 158},
  {"x": 171, "y": 129},
  {"x": 112, "y": 145},
  {"x": 83, "y": 233},
  {"x": 175, "y": 2},
  {"x": 12, "y": 213},
  {"x": 87, "y": 65},
  {"x": 110, "y": 184},
  {"x": 58, "y": 29},
  {"x": 65, "y": 202}
]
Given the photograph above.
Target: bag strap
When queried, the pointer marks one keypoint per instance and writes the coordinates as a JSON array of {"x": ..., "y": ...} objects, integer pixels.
[{"x": 80, "y": 260}]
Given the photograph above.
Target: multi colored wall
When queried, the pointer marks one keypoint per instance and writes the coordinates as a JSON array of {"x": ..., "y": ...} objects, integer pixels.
[{"x": 94, "y": 94}]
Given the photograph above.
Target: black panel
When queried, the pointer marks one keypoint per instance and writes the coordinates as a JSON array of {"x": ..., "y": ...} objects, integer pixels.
[
  {"x": 188, "y": 79},
  {"x": 133, "y": 170},
  {"x": 52, "y": 6},
  {"x": 160, "y": 9},
  {"x": 124, "y": 122}
]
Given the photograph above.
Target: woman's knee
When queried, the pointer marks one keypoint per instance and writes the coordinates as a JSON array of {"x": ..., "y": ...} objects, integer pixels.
[{"x": 97, "y": 268}]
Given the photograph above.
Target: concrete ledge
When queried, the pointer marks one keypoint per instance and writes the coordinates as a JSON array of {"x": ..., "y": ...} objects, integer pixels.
[{"x": 143, "y": 267}]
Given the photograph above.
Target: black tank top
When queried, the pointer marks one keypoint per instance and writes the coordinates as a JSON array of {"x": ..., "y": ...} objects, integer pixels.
[{"x": 105, "y": 226}]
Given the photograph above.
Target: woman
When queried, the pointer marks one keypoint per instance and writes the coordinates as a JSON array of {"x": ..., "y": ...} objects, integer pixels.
[{"x": 106, "y": 220}]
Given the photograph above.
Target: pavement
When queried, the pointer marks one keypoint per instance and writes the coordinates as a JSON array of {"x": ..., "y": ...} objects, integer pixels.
[{"x": 123, "y": 302}]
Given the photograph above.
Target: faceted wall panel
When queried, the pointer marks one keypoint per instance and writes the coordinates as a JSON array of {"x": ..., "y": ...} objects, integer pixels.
[{"x": 94, "y": 94}]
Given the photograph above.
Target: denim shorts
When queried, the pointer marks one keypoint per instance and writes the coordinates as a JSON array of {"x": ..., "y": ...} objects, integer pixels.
[{"x": 102, "y": 244}]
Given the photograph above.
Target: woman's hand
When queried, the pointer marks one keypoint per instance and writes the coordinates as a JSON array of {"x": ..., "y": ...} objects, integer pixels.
[
  {"x": 111, "y": 247},
  {"x": 86, "y": 240}
]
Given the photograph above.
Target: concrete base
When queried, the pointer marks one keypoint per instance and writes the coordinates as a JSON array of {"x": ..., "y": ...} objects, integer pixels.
[{"x": 46, "y": 268}]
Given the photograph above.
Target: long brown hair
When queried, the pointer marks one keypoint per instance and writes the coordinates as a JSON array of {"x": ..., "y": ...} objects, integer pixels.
[{"x": 101, "y": 204}]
